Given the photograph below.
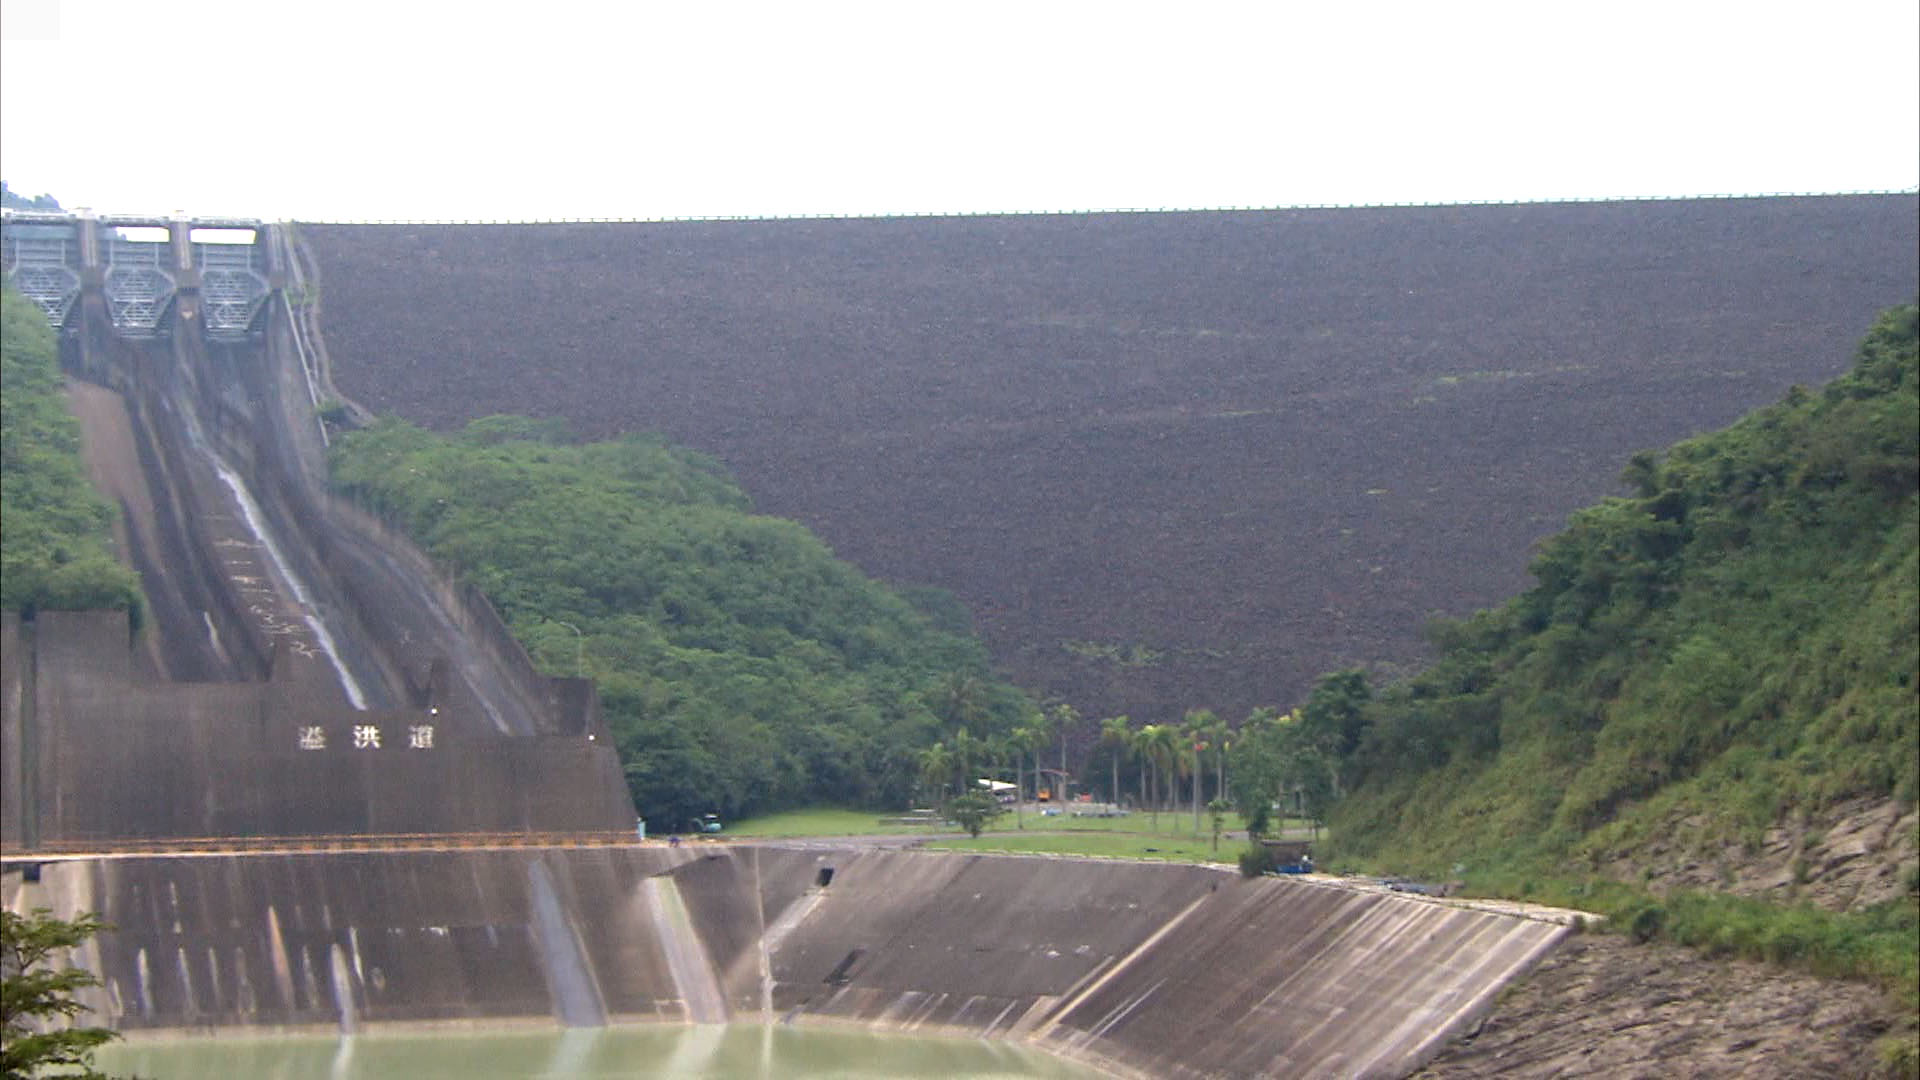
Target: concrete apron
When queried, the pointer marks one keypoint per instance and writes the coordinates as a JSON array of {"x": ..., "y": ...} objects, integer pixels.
[{"x": 1140, "y": 969}]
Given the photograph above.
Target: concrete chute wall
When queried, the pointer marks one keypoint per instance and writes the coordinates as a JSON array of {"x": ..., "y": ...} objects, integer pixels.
[
  {"x": 108, "y": 757},
  {"x": 303, "y": 669},
  {"x": 1141, "y": 969}
]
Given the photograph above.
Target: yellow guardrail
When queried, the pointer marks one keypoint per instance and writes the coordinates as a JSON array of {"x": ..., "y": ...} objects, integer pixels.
[{"x": 326, "y": 843}]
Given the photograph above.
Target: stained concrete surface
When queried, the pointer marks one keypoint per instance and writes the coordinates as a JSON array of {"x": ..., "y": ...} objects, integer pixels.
[
  {"x": 303, "y": 669},
  {"x": 110, "y": 757},
  {"x": 1139, "y": 969}
]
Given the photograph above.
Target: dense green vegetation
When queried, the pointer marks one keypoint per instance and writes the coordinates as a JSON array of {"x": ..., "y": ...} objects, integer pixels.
[
  {"x": 742, "y": 667},
  {"x": 13, "y": 200},
  {"x": 1737, "y": 639},
  {"x": 37, "y": 1004},
  {"x": 1167, "y": 838},
  {"x": 56, "y": 543},
  {"x": 1735, "y": 644}
]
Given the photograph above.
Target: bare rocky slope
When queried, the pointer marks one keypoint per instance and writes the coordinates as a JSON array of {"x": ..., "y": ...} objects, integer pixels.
[
  {"x": 1169, "y": 460},
  {"x": 1603, "y": 1006},
  {"x": 1846, "y": 857}
]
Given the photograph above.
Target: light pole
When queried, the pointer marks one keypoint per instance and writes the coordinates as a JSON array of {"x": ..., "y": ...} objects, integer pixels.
[{"x": 580, "y": 649}]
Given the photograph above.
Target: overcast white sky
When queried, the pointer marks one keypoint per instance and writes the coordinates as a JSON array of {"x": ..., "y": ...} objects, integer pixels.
[{"x": 346, "y": 109}]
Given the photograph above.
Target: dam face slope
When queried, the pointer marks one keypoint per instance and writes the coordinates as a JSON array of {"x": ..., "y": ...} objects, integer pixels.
[
  {"x": 1141, "y": 969},
  {"x": 1168, "y": 460},
  {"x": 302, "y": 670}
]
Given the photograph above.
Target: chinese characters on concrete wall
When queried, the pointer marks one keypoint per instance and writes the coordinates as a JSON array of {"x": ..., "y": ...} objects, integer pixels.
[{"x": 368, "y": 737}]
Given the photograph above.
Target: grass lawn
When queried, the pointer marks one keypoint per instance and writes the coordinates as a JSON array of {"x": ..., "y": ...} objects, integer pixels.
[
  {"x": 822, "y": 821},
  {"x": 1116, "y": 845},
  {"x": 1132, "y": 837}
]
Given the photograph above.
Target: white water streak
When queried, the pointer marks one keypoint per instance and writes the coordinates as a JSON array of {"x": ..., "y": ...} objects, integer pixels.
[
  {"x": 256, "y": 523},
  {"x": 342, "y": 991},
  {"x": 686, "y": 956}
]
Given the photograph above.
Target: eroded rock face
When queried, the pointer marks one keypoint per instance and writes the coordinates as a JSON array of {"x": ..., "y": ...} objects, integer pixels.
[
  {"x": 1603, "y": 1006},
  {"x": 1852, "y": 855}
]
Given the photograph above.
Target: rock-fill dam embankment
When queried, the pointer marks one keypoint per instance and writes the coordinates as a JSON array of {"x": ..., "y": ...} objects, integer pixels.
[{"x": 1140, "y": 969}]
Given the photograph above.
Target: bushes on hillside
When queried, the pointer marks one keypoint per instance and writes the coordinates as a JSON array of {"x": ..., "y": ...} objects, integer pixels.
[
  {"x": 1740, "y": 635},
  {"x": 56, "y": 544},
  {"x": 742, "y": 666}
]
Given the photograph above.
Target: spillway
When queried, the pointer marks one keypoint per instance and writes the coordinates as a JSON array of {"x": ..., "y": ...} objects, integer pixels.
[
  {"x": 1137, "y": 969},
  {"x": 304, "y": 669}
]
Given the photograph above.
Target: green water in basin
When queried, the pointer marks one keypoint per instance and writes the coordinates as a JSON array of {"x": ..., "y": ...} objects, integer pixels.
[{"x": 708, "y": 1052}]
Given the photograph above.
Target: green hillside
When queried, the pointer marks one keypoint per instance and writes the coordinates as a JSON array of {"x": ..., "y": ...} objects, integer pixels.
[
  {"x": 1725, "y": 658},
  {"x": 742, "y": 667},
  {"x": 56, "y": 535},
  {"x": 1737, "y": 640}
]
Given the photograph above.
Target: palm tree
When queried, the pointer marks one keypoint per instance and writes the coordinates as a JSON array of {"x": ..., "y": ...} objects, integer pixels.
[
  {"x": 1198, "y": 730},
  {"x": 967, "y": 749},
  {"x": 1143, "y": 741},
  {"x": 1009, "y": 747},
  {"x": 1021, "y": 741},
  {"x": 1114, "y": 732},
  {"x": 1064, "y": 717},
  {"x": 1221, "y": 737},
  {"x": 936, "y": 765},
  {"x": 1166, "y": 747},
  {"x": 962, "y": 701},
  {"x": 1137, "y": 746},
  {"x": 1162, "y": 746}
]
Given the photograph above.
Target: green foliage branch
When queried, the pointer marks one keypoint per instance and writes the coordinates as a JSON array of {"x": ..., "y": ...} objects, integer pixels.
[
  {"x": 973, "y": 811},
  {"x": 37, "y": 999}
]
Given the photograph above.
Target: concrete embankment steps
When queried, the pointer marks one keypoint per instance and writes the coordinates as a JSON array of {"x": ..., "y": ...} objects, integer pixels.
[
  {"x": 1156, "y": 969},
  {"x": 1333, "y": 981},
  {"x": 1141, "y": 969}
]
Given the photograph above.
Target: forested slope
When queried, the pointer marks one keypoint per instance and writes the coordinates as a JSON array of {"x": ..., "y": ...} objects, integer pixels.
[
  {"x": 56, "y": 535},
  {"x": 741, "y": 666},
  {"x": 1702, "y": 720},
  {"x": 1734, "y": 643}
]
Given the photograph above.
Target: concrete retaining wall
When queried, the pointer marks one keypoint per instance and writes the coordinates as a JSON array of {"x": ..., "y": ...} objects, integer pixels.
[
  {"x": 15, "y": 769},
  {"x": 230, "y": 718},
  {"x": 208, "y": 941},
  {"x": 1140, "y": 969},
  {"x": 95, "y": 755}
]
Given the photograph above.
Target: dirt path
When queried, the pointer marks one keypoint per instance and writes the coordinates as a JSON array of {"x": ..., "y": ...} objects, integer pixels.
[
  {"x": 1601, "y": 1005},
  {"x": 113, "y": 465}
]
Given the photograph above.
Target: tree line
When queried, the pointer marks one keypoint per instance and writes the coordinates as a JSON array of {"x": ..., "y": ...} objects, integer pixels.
[
  {"x": 56, "y": 547},
  {"x": 741, "y": 666},
  {"x": 1739, "y": 637},
  {"x": 1735, "y": 640}
]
